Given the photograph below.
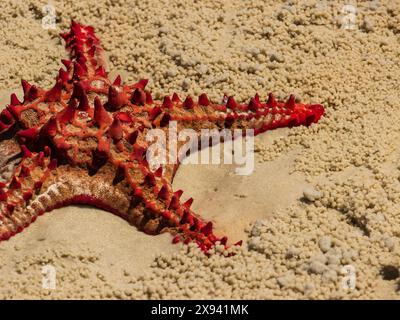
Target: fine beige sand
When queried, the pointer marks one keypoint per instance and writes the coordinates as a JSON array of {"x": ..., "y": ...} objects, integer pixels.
[{"x": 323, "y": 205}]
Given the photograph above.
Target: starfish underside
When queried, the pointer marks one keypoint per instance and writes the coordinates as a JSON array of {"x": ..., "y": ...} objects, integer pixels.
[{"x": 84, "y": 142}]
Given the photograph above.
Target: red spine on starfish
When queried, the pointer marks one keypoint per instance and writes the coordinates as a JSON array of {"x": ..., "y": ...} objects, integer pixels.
[{"x": 84, "y": 141}]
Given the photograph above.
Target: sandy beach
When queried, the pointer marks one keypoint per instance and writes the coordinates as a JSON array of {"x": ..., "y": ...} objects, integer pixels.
[{"x": 320, "y": 215}]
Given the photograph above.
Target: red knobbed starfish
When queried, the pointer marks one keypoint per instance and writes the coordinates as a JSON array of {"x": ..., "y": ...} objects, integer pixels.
[{"x": 84, "y": 142}]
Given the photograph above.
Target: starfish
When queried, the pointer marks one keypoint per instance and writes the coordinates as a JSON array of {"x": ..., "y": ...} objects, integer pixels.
[{"x": 84, "y": 142}]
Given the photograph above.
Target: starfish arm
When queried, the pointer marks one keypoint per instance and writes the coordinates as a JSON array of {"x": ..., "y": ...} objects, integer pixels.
[
  {"x": 86, "y": 53},
  {"x": 46, "y": 188},
  {"x": 23, "y": 185},
  {"x": 143, "y": 198},
  {"x": 214, "y": 119},
  {"x": 258, "y": 115},
  {"x": 157, "y": 208},
  {"x": 38, "y": 105}
]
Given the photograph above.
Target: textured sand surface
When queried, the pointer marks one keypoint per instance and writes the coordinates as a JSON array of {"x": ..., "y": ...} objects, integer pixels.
[{"x": 322, "y": 200}]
